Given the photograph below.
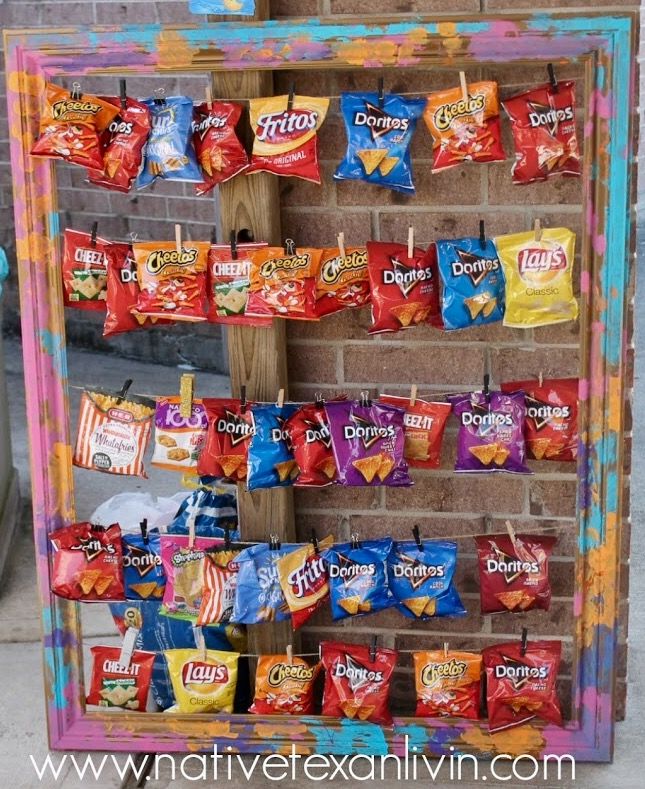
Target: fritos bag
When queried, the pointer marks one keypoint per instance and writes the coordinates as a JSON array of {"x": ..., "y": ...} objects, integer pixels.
[
  {"x": 304, "y": 582},
  {"x": 85, "y": 266},
  {"x": 424, "y": 424},
  {"x": 219, "y": 152},
  {"x": 172, "y": 284},
  {"x": 179, "y": 440},
  {"x": 286, "y": 140},
  {"x": 113, "y": 432},
  {"x": 228, "y": 284},
  {"x": 183, "y": 565},
  {"x": 270, "y": 458},
  {"x": 283, "y": 686},
  {"x": 447, "y": 684},
  {"x": 464, "y": 130},
  {"x": 230, "y": 427},
  {"x": 342, "y": 282},
  {"x": 86, "y": 562},
  {"x": 543, "y": 121},
  {"x": 310, "y": 441},
  {"x": 202, "y": 681},
  {"x": 259, "y": 596},
  {"x": 405, "y": 291},
  {"x": 538, "y": 275},
  {"x": 283, "y": 283},
  {"x": 70, "y": 127},
  {"x": 551, "y": 422},
  {"x": 114, "y": 685},
  {"x": 220, "y": 569},
  {"x": 357, "y": 686},
  {"x": 379, "y": 133},
  {"x": 143, "y": 573},
  {"x": 522, "y": 687},
  {"x": 514, "y": 574}
]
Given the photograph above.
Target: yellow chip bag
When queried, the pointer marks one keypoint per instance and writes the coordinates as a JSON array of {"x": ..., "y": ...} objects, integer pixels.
[
  {"x": 538, "y": 275},
  {"x": 303, "y": 579},
  {"x": 202, "y": 681}
]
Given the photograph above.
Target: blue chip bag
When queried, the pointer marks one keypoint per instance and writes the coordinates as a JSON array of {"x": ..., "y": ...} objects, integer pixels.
[
  {"x": 473, "y": 283},
  {"x": 379, "y": 133},
  {"x": 143, "y": 573},
  {"x": 169, "y": 152},
  {"x": 422, "y": 580},
  {"x": 214, "y": 513},
  {"x": 259, "y": 596},
  {"x": 270, "y": 459},
  {"x": 358, "y": 577},
  {"x": 237, "y": 7}
]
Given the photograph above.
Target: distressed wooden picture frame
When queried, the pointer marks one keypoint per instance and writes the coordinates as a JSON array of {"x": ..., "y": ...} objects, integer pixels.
[{"x": 605, "y": 44}]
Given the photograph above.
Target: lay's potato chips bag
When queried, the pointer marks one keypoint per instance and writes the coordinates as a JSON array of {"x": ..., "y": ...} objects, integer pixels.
[{"x": 202, "y": 681}]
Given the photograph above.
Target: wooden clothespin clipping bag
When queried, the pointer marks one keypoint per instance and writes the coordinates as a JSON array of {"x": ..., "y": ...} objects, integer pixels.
[
  {"x": 178, "y": 238},
  {"x": 410, "y": 242},
  {"x": 186, "y": 393}
]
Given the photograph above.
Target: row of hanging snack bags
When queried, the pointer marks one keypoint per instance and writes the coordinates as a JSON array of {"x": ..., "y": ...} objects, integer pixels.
[
  {"x": 124, "y": 142},
  {"x": 524, "y": 279}
]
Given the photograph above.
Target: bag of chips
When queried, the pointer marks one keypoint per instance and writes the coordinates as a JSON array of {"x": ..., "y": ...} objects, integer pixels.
[
  {"x": 270, "y": 459},
  {"x": 491, "y": 432},
  {"x": 310, "y": 441},
  {"x": 551, "y": 422},
  {"x": 520, "y": 687},
  {"x": 304, "y": 582},
  {"x": 379, "y": 133},
  {"x": 405, "y": 291},
  {"x": 227, "y": 284},
  {"x": 539, "y": 277},
  {"x": 203, "y": 681},
  {"x": 230, "y": 427},
  {"x": 71, "y": 125},
  {"x": 219, "y": 575},
  {"x": 113, "y": 432},
  {"x": 85, "y": 265},
  {"x": 211, "y": 510},
  {"x": 259, "y": 597},
  {"x": 342, "y": 282},
  {"x": 86, "y": 562},
  {"x": 543, "y": 121},
  {"x": 464, "y": 130},
  {"x": 182, "y": 559},
  {"x": 219, "y": 152},
  {"x": 169, "y": 152},
  {"x": 368, "y": 440},
  {"x": 421, "y": 578},
  {"x": 143, "y": 573},
  {"x": 178, "y": 439},
  {"x": 228, "y": 7},
  {"x": 286, "y": 137},
  {"x": 115, "y": 685},
  {"x": 447, "y": 683},
  {"x": 357, "y": 682},
  {"x": 424, "y": 424},
  {"x": 473, "y": 283},
  {"x": 284, "y": 686},
  {"x": 283, "y": 283}
]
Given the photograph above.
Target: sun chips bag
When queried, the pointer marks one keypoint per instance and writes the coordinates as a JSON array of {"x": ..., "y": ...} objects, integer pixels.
[{"x": 259, "y": 596}]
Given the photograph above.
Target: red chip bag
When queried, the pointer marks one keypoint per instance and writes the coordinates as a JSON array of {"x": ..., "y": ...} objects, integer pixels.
[
  {"x": 357, "y": 686},
  {"x": 230, "y": 427},
  {"x": 284, "y": 283},
  {"x": 405, "y": 291},
  {"x": 284, "y": 686},
  {"x": 520, "y": 686},
  {"x": 84, "y": 271},
  {"x": 227, "y": 284},
  {"x": 447, "y": 683},
  {"x": 115, "y": 685},
  {"x": 220, "y": 154},
  {"x": 424, "y": 424},
  {"x": 87, "y": 562},
  {"x": 310, "y": 438},
  {"x": 342, "y": 282}
]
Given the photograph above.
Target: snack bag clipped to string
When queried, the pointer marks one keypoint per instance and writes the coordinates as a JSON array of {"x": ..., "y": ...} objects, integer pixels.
[
  {"x": 379, "y": 132},
  {"x": 304, "y": 581},
  {"x": 143, "y": 572},
  {"x": 227, "y": 282},
  {"x": 464, "y": 125},
  {"x": 115, "y": 685},
  {"x": 179, "y": 440},
  {"x": 424, "y": 424},
  {"x": 230, "y": 427},
  {"x": 543, "y": 121},
  {"x": 342, "y": 282},
  {"x": 202, "y": 680},
  {"x": 213, "y": 511},
  {"x": 232, "y": 7},
  {"x": 219, "y": 575},
  {"x": 259, "y": 596},
  {"x": 521, "y": 684},
  {"x": 310, "y": 440},
  {"x": 85, "y": 270},
  {"x": 357, "y": 682},
  {"x": 539, "y": 277},
  {"x": 551, "y": 422},
  {"x": 284, "y": 685},
  {"x": 122, "y": 292},
  {"x": 220, "y": 154},
  {"x": 71, "y": 125},
  {"x": 286, "y": 135},
  {"x": 182, "y": 559},
  {"x": 447, "y": 683},
  {"x": 271, "y": 462},
  {"x": 283, "y": 283}
]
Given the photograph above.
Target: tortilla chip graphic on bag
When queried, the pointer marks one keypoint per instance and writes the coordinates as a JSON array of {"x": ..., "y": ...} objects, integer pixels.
[
  {"x": 416, "y": 604},
  {"x": 350, "y": 604},
  {"x": 388, "y": 164},
  {"x": 103, "y": 584},
  {"x": 386, "y": 466},
  {"x": 87, "y": 579},
  {"x": 230, "y": 463},
  {"x": 368, "y": 467},
  {"x": 539, "y": 447},
  {"x": 485, "y": 453},
  {"x": 328, "y": 467},
  {"x": 474, "y": 305},
  {"x": 431, "y": 608},
  {"x": 144, "y": 590},
  {"x": 511, "y": 600},
  {"x": 500, "y": 455},
  {"x": 371, "y": 158},
  {"x": 288, "y": 469},
  {"x": 350, "y": 708},
  {"x": 365, "y": 712},
  {"x": 489, "y": 307},
  {"x": 404, "y": 313}
]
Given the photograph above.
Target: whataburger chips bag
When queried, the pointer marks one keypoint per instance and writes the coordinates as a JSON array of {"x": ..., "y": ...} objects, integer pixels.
[
  {"x": 143, "y": 573},
  {"x": 405, "y": 291},
  {"x": 219, "y": 576},
  {"x": 283, "y": 686},
  {"x": 342, "y": 282},
  {"x": 310, "y": 440},
  {"x": 259, "y": 596},
  {"x": 551, "y": 422},
  {"x": 522, "y": 687},
  {"x": 514, "y": 574},
  {"x": 230, "y": 427},
  {"x": 183, "y": 565},
  {"x": 219, "y": 152},
  {"x": 286, "y": 139},
  {"x": 464, "y": 130},
  {"x": 270, "y": 459},
  {"x": 538, "y": 275},
  {"x": 447, "y": 683},
  {"x": 357, "y": 686},
  {"x": 304, "y": 582},
  {"x": 424, "y": 424},
  {"x": 227, "y": 283},
  {"x": 473, "y": 283},
  {"x": 379, "y": 133},
  {"x": 283, "y": 283},
  {"x": 178, "y": 439},
  {"x": 202, "y": 681},
  {"x": 114, "y": 685},
  {"x": 543, "y": 121},
  {"x": 85, "y": 267}
]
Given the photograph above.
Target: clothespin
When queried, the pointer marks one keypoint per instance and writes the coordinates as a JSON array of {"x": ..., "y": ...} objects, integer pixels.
[
  {"x": 482, "y": 234},
  {"x": 200, "y": 641},
  {"x": 233, "y": 240},
  {"x": 365, "y": 399},
  {"x": 488, "y": 524},
  {"x": 127, "y": 647},
  {"x": 289, "y": 247},
  {"x": 144, "y": 531},
  {"x": 464, "y": 85},
  {"x": 319, "y": 652},
  {"x": 208, "y": 92},
  {"x": 540, "y": 379},
  {"x": 75, "y": 92},
  {"x": 280, "y": 401},
  {"x": 290, "y": 654},
  {"x": 159, "y": 96},
  {"x": 227, "y": 536},
  {"x": 445, "y": 649},
  {"x": 552, "y": 79},
  {"x": 191, "y": 527},
  {"x": 381, "y": 88},
  {"x": 511, "y": 532},
  {"x": 417, "y": 537},
  {"x": 486, "y": 389},
  {"x": 186, "y": 391},
  {"x": 213, "y": 236},
  {"x": 537, "y": 229},
  {"x": 292, "y": 92},
  {"x": 413, "y": 394},
  {"x": 178, "y": 238},
  {"x": 355, "y": 543},
  {"x": 319, "y": 401},
  {"x": 243, "y": 398},
  {"x": 276, "y": 542},
  {"x": 93, "y": 233},
  {"x": 524, "y": 641},
  {"x": 341, "y": 244},
  {"x": 133, "y": 237},
  {"x": 124, "y": 390},
  {"x": 410, "y": 242},
  {"x": 314, "y": 541},
  {"x": 373, "y": 649}
]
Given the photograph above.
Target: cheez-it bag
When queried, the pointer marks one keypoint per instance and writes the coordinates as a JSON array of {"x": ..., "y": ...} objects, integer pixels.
[
  {"x": 230, "y": 428},
  {"x": 342, "y": 282},
  {"x": 424, "y": 424},
  {"x": 284, "y": 686},
  {"x": 115, "y": 685},
  {"x": 447, "y": 683},
  {"x": 283, "y": 283},
  {"x": 85, "y": 270},
  {"x": 227, "y": 283}
]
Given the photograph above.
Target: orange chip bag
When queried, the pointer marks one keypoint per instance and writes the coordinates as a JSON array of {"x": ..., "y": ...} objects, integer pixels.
[
  {"x": 284, "y": 686},
  {"x": 342, "y": 281},
  {"x": 283, "y": 282},
  {"x": 447, "y": 683}
]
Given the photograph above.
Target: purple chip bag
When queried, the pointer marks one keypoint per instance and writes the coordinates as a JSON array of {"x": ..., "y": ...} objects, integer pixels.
[
  {"x": 491, "y": 435},
  {"x": 368, "y": 439}
]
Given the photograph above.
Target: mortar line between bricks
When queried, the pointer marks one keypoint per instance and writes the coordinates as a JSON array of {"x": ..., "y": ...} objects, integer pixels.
[{"x": 562, "y": 522}]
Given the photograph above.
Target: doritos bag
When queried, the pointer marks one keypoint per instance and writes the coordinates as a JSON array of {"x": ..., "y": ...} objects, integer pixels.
[
  {"x": 86, "y": 562},
  {"x": 473, "y": 283},
  {"x": 514, "y": 574},
  {"x": 405, "y": 291},
  {"x": 230, "y": 427},
  {"x": 520, "y": 687},
  {"x": 421, "y": 579},
  {"x": 551, "y": 422},
  {"x": 357, "y": 682},
  {"x": 491, "y": 432},
  {"x": 424, "y": 424},
  {"x": 270, "y": 459},
  {"x": 182, "y": 563},
  {"x": 227, "y": 284},
  {"x": 219, "y": 152},
  {"x": 368, "y": 440},
  {"x": 115, "y": 685},
  {"x": 543, "y": 121},
  {"x": 464, "y": 130},
  {"x": 259, "y": 597},
  {"x": 286, "y": 138},
  {"x": 447, "y": 683},
  {"x": 342, "y": 282},
  {"x": 283, "y": 686},
  {"x": 538, "y": 275},
  {"x": 85, "y": 266},
  {"x": 178, "y": 439},
  {"x": 202, "y": 681},
  {"x": 219, "y": 575},
  {"x": 310, "y": 441},
  {"x": 358, "y": 577},
  {"x": 283, "y": 283},
  {"x": 303, "y": 579},
  {"x": 71, "y": 125},
  {"x": 143, "y": 572},
  {"x": 379, "y": 133}
]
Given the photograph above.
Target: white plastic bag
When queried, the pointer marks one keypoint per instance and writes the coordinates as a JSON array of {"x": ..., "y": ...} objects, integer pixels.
[{"x": 129, "y": 509}]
